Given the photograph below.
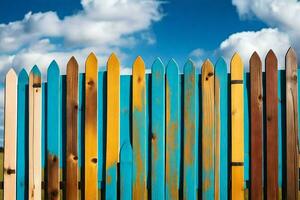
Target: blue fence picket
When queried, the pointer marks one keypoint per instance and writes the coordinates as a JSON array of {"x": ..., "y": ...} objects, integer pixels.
[
  {"x": 172, "y": 131},
  {"x": 190, "y": 144},
  {"x": 158, "y": 131},
  {"x": 22, "y": 136},
  {"x": 222, "y": 77},
  {"x": 246, "y": 129},
  {"x": 125, "y": 171}
]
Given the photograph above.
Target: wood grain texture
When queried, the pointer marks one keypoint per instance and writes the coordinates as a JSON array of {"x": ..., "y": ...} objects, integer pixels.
[
  {"x": 10, "y": 135},
  {"x": 139, "y": 137},
  {"x": 158, "y": 130},
  {"x": 272, "y": 126},
  {"x": 91, "y": 134},
  {"x": 53, "y": 131},
  {"x": 113, "y": 126},
  {"x": 72, "y": 130},
  {"x": 35, "y": 134},
  {"x": 292, "y": 125},
  {"x": 221, "y": 88},
  {"x": 172, "y": 131},
  {"x": 208, "y": 131},
  {"x": 256, "y": 188},
  {"x": 237, "y": 128},
  {"x": 189, "y": 152}
]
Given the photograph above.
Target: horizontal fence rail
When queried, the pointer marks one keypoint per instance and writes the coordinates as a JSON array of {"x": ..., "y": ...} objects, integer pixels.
[{"x": 163, "y": 135}]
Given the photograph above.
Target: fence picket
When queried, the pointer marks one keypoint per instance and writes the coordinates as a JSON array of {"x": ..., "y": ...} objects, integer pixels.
[
  {"x": 139, "y": 137},
  {"x": 158, "y": 131},
  {"x": 35, "y": 134},
  {"x": 72, "y": 130},
  {"x": 22, "y": 136},
  {"x": 53, "y": 130},
  {"x": 10, "y": 135},
  {"x": 113, "y": 126},
  {"x": 237, "y": 127},
  {"x": 172, "y": 131},
  {"x": 221, "y": 87},
  {"x": 208, "y": 131},
  {"x": 91, "y": 135},
  {"x": 126, "y": 172},
  {"x": 272, "y": 125},
  {"x": 292, "y": 125},
  {"x": 256, "y": 127},
  {"x": 189, "y": 155}
]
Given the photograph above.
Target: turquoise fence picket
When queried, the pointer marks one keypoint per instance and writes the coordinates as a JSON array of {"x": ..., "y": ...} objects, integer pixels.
[
  {"x": 190, "y": 144},
  {"x": 126, "y": 171},
  {"x": 158, "y": 131},
  {"x": 222, "y": 77},
  {"x": 22, "y": 136},
  {"x": 173, "y": 139},
  {"x": 246, "y": 129}
]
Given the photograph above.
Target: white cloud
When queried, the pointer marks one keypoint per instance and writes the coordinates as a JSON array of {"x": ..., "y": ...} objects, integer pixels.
[{"x": 245, "y": 43}]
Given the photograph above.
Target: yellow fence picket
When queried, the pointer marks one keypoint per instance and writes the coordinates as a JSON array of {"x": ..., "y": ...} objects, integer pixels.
[
  {"x": 10, "y": 135},
  {"x": 91, "y": 145}
]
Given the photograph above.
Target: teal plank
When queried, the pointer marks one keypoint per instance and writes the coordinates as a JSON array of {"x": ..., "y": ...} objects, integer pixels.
[
  {"x": 125, "y": 105},
  {"x": 190, "y": 146},
  {"x": 125, "y": 171},
  {"x": 53, "y": 110},
  {"x": 246, "y": 129},
  {"x": 158, "y": 131},
  {"x": 22, "y": 136},
  {"x": 172, "y": 131},
  {"x": 222, "y": 77}
]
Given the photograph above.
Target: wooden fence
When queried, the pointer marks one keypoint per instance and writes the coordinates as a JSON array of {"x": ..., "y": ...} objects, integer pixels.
[{"x": 163, "y": 135}]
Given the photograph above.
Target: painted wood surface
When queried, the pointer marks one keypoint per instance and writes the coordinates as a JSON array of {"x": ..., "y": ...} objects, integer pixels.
[
  {"x": 126, "y": 172},
  {"x": 256, "y": 127},
  {"x": 221, "y": 87},
  {"x": 237, "y": 128},
  {"x": 10, "y": 134},
  {"x": 158, "y": 130},
  {"x": 173, "y": 139},
  {"x": 53, "y": 130},
  {"x": 72, "y": 130},
  {"x": 292, "y": 176},
  {"x": 217, "y": 140},
  {"x": 35, "y": 134},
  {"x": 113, "y": 126},
  {"x": 189, "y": 145},
  {"x": 22, "y": 136},
  {"x": 91, "y": 135},
  {"x": 208, "y": 130},
  {"x": 139, "y": 136},
  {"x": 272, "y": 126}
]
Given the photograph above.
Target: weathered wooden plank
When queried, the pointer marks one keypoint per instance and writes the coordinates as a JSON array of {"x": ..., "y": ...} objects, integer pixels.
[
  {"x": 126, "y": 172},
  {"x": 172, "y": 131},
  {"x": 189, "y": 166},
  {"x": 53, "y": 130},
  {"x": 256, "y": 127},
  {"x": 22, "y": 139},
  {"x": 72, "y": 130},
  {"x": 91, "y": 135},
  {"x": 237, "y": 128},
  {"x": 272, "y": 126},
  {"x": 10, "y": 134},
  {"x": 292, "y": 150},
  {"x": 158, "y": 131},
  {"x": 208, "y": 131},
  {"x": 35, "y": 134},
  {"x": 221, "y": 87},
  {"x": 139, "y": 136},
  {"x": 113, "y": 126}
]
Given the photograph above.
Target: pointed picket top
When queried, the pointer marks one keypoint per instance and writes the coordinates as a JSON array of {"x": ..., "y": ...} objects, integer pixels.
[
  {"x": 126, "y": 153},
  {"x": 35, "y": 75},
  {"x": 255, "y": 61},
  {"x": 138, "y": 66},
  {"x": 35, "y": 71},
  {"x": 291, "y": 56},
  {"x": 113, "y": 61},
  {"x": 236, "y": 67},
  {"x": 255, "y": 56},
  {"x": 72, "y": 63},
  {"x": 271, "y": 54},
  {"x": 11, "y": 73},
  {"x": 91, "y": 63},
  {"x": 189, "y": 66},
  {"x": 172, "y": 66},
  {"x": 207, "y": 65},
  {"x": 53, "y": 69},
  {"x": 221, "y": 66},
  {"x": 23, "y": 76},
  {"x": 271, "y": 60}
]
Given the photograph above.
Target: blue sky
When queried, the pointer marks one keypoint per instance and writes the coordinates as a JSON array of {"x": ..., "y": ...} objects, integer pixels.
[{"x": 38, "y": 31}]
